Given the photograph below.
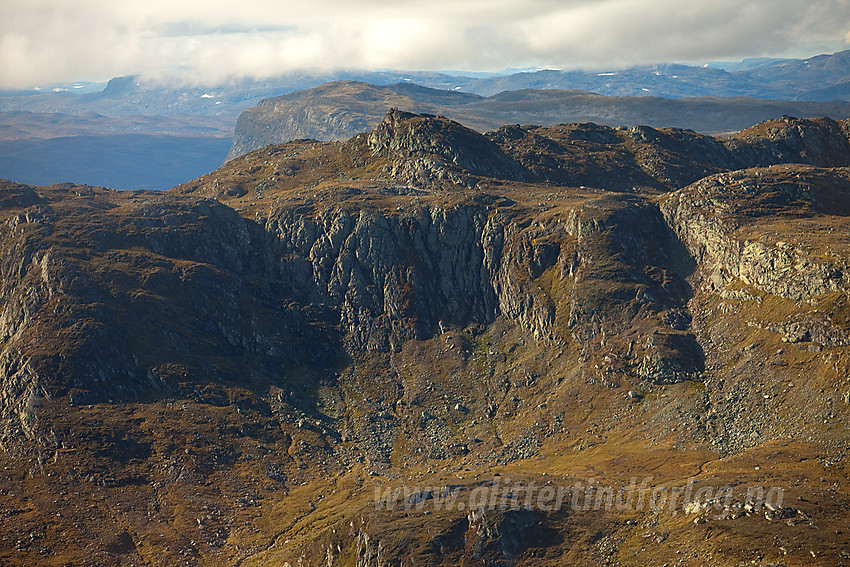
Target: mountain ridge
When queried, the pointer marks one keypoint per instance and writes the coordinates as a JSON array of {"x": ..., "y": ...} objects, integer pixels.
[
  {"x": 340, "y": 110},
  {"x": 137, "y": 105},
  {"x": 779, "y": 79}
]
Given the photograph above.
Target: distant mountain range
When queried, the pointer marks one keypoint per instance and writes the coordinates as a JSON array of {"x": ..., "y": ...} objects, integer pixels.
[
  {"x": 821, "y": 78},
  {"x": 192, "y": 115}
]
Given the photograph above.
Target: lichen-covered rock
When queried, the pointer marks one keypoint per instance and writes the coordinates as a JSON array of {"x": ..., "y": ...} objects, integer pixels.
[
  {"x": 434, "y": 148},
  {"x": 498, "y": 537}
]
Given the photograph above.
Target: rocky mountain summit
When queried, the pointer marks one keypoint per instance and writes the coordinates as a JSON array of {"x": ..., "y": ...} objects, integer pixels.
[
  {"x": 323, "y": 353},
  {"x": 341, "y": 109}
]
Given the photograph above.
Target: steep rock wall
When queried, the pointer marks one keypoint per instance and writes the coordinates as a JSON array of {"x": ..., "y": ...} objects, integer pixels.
[{"x": 396, "y": 277}]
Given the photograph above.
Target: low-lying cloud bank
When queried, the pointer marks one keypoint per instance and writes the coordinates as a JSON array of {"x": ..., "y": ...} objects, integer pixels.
[{"x": 49, "y": 41}]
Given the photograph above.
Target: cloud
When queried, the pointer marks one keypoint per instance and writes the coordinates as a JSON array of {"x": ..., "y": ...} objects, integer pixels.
[{"x": 48, "y": 41}]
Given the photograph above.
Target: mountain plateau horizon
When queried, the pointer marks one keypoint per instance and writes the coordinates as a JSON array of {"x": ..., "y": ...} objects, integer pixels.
[{"x": 52, "y": 137}]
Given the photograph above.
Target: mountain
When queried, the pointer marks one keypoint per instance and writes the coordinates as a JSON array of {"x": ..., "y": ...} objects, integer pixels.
[
  {"x": 424, "y": 345},
  {"x": 133, "y": 95},
  {"x": 777, "y": 79},
  {"x": 803, "y": 77},
  {"x": 197, "y": 114},
  {"x": 133, "y": 133},
  {"x": 340, "y": 110}
]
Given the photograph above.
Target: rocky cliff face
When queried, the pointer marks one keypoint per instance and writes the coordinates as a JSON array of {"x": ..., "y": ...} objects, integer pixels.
[
  {"x": 381, "y": 278},
  {"x": 771, "y": 256},
  {"x": 255, "y": 363},
  {"x": 714, "y": 218},
  {"x": 406, "y": 276}
]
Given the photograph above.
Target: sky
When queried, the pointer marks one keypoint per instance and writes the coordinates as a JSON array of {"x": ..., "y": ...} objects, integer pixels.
[{"x": 45, "y": 42}]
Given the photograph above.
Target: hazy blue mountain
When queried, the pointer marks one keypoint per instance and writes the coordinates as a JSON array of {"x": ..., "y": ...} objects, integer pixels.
[
  {"x": 135, "y": 96},
  {"x": 779, "y": 79}
]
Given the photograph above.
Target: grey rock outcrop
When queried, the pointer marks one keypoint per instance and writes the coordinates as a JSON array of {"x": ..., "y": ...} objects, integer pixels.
[
  {"x": 423, "y": 142},
  {"x": 369, "y": 552},
  {"x": 710, "y": 217},
  {"x": 497, "y": 538}
]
